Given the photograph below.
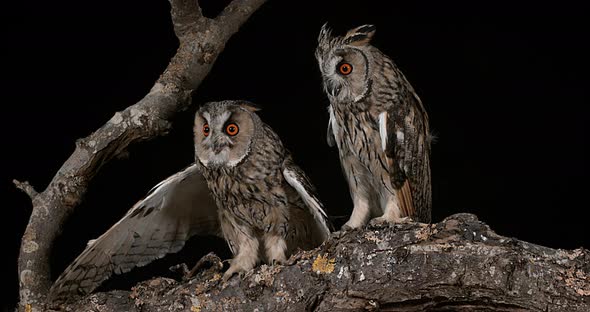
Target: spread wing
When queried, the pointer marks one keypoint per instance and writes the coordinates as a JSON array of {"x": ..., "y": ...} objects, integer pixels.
[
  {"x": 405, "y": 138},
  {"x": 161, "y": 223},
  {"x": 300, "y": 182}
]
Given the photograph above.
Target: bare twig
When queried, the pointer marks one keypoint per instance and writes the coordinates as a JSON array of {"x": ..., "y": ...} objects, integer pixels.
[
  {"x": 201, "y": 41},
  {"x": 25, "y": 187}
]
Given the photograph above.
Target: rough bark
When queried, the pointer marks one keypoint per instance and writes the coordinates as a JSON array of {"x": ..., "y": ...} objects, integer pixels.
[
  {"x": 459, "y": 264},
  {"x": 201, "y": 41}
]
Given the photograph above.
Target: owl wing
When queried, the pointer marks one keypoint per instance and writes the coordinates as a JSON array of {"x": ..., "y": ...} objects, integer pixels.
[
  {"x": 300, "y": 182},
  {"x": 330, "y": 133},
  {"x": 405, "y": 139},
  {"x": 161, "y": 223}
]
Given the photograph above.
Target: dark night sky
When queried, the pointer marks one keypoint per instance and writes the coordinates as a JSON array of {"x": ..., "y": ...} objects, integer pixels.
[{"x": 506, "y": 88}]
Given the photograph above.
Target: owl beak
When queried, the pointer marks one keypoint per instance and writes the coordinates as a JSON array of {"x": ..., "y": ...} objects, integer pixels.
[
  {"x": 217, "y": 148},
  {"x": 333, "y": 88},
  {"x": 220, "y": 144}
]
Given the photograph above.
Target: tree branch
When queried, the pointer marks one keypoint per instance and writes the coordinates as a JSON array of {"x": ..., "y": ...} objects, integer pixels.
[
  {"x": 201, "y": 41},
  {"x": 185, "y": 16},
  {"x": 237, "y": 10},
  {"x": 458, "y": 264},
  {"x": 25, "y": 187}
]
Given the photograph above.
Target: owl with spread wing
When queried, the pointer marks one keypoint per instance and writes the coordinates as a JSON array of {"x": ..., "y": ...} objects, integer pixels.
[{"x": 244, "y": 187}]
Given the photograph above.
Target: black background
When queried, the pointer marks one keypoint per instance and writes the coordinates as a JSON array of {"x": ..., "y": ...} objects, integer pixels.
[{"x": 505, "y": 85}]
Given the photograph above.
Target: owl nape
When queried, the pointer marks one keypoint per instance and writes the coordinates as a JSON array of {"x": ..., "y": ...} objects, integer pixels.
[{"x": 243, "y": 187}]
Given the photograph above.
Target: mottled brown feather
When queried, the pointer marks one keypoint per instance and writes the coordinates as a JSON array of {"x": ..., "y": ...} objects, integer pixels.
[{"x": 161, "y": 223}]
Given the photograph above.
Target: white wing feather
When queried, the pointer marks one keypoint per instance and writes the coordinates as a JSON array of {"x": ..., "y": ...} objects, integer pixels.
[
  {"x": 161, "y": 223},
  {"x": 300, "y": 183}
]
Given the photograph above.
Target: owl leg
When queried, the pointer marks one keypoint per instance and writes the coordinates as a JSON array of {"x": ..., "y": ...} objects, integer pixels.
[
  {"x": 360, "y": 213},
  {"x": 391, "y": 213},
  {"x": 276, "y": 248},
  {"x": 246, "y": 258}
]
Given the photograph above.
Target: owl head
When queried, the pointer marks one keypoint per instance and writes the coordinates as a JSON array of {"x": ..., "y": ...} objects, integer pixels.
[
  {"x": 225, "y": 132},
  {"x": 346, "y": 63}
]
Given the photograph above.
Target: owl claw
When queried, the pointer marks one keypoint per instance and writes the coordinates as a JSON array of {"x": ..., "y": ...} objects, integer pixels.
[
  {"x": 277, "y": 262},
  {"x": 378, "y": 222},
  {"x": 338, "y": 234},
  {"x": 385, "y": 221},
  {"x": 234, "y": 269},
  {"x": 228, "y": 274},
  {"x": 346, "y": 228}
]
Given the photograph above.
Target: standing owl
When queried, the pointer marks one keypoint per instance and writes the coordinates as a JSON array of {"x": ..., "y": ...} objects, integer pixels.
[
  {"x": 267, "y": 207},
  {"x": 380, "y": 127},
  {"x": 243, "y": 187}
]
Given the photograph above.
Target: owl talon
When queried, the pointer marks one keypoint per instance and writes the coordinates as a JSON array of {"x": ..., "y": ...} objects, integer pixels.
[
  {"x": 277, "y": 262},
  {"x": 234, "y": 269},
  {"x": 378, "y": 222},
  {"x": 228, "y": 274},
  {"x": 338, "y": 234},
  {"x": 405, "y": 220},
  {"x": 346, "y": 228},
  {"x": 385, "y": 221}
]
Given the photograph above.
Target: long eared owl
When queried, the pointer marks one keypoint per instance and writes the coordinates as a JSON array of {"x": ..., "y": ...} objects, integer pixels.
[
  {"x": 380, "y": 127},
  {"x": 243, "y": 187}
]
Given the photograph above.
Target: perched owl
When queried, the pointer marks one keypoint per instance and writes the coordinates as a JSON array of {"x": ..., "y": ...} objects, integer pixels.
[
  {"x": 380, "y": 128},
  {"x": 243, "y": 186}
]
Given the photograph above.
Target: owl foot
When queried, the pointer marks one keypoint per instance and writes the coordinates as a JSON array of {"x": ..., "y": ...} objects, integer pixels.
[
  {"x": 234, "y": 270},
  {"x": 274, "y": 262},
  {"x": 338, "y": 234},
  {"x": 384, "y": 221},
  {"x": 343, "y": 230},
  {"x": 237, "y": 266},
  {"x": 378, "y": 222},
  {"x": 351, "y": 225},
  {"x": 346, "y": 228}
]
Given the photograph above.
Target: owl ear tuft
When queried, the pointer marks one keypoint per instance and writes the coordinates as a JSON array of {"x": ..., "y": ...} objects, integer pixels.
[
  {"x": 325, "y": 33},
  {"x": 250, "y": 106},
  {"x": 360, "y": 36}
]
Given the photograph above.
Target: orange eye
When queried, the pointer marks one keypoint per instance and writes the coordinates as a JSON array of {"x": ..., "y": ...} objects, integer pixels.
[
  {"x": 232, "y": 129},
  {"x": 206, "y": 129},
  {"x": 345, "y": 68}
]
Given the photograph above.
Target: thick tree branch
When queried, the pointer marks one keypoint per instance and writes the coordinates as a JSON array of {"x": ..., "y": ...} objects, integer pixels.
[
  {"x": 237, "y": 10},
  {"x": 186, "y": 14},
  {"x": 201, "y": 41},
  {"x": 458, "y": 264}
]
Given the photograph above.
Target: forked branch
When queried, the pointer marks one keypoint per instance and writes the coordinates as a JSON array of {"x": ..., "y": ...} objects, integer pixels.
[{"x": 201, "y": 41}]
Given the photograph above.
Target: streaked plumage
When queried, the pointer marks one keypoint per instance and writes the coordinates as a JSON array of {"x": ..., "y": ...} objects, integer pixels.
[
  {"x": 243, "y": 187},
  {"x": 266, "y": 202},
  {"x": 380, "y": 127}
]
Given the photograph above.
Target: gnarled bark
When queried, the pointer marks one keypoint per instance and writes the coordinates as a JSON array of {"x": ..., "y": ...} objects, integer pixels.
[
  {"x": 459, "y": 264},
  {"x": 201, "y": 41}
]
